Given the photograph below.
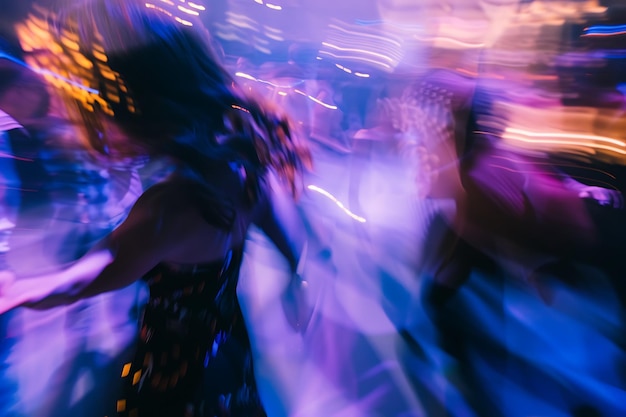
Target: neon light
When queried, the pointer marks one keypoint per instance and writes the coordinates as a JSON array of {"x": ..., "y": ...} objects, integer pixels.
[{"x": 50, "y": 73}]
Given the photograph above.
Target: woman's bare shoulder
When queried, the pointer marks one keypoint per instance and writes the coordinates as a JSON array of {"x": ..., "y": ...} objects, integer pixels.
[
  {"x": 172, "y": 214},
  {"x": 167, "y": 202},
  {"x": 168, "y": 192}
]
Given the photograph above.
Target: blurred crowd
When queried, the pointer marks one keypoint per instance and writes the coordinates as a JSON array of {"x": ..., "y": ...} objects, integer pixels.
[{"x": 468, "y": 177}]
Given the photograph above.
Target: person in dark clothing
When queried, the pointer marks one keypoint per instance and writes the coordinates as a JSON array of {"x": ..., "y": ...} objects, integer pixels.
[{"x": 151, "y": 87}]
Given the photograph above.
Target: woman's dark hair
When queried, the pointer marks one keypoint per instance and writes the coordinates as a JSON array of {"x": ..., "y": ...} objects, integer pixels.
[{"x": 150, "y": 69}]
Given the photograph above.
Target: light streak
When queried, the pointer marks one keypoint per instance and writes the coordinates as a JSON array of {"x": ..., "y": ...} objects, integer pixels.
[
  {"x": 321, "y": 103},
  {"x": 246, "y": 76},
  {"x": 589, "y": 146},
  {"x": 160, "y": 9},
  {"x": 188, "y": 11},
  {"x": 196, "y": 6},
  {"x": 234, "y": 106},
  {"x": 450, "y": 40},
  {"x": 605, "y": 30},
  {"x": 274, "y": 37},
  {"x": 286, "y": 87},
  {"x": 367, "y": 35},
  {"x": 183, "y": 21},
  {"x": 364, "y": 51},
  {"x": 336, "y": 201},
  {"x": 262, "y": 49},
  {"x": 566, "y": 136},
  {"x": 51, "y": 74},
  {"x": 341, "y": 67},
  {"x": 356, "y": 58},
  {"x": 604, "y": 34}
]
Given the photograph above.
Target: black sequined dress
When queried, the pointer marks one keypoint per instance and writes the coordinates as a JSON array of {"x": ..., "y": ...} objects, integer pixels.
[{"x": 193, "y": 356}]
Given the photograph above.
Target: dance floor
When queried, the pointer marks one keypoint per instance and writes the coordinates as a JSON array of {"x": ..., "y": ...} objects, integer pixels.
[
  {"x": 369, "y": 350},
  {"x": 382, "y": 89}
]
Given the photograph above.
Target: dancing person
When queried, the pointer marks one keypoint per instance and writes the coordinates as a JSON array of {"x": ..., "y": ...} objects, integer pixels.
[
  {"x": 151, "y": 86},
  {"x": 510, "y": 209}
]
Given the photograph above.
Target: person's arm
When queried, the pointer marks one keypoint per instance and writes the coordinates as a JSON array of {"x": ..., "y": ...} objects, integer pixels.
[
  {"x": 282, "y": 223},
  {"x": 134, "y": 248},
  {"x": 603, "y": 196}
]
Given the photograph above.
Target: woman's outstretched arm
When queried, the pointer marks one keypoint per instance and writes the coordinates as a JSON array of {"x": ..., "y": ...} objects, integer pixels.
[{"x": 133, "y": 249}]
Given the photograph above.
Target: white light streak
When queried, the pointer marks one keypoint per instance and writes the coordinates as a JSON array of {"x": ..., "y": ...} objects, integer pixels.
[
  {"x": 196, "y": 6},
  {"x": 356, "y": 58},
  {"x": 363, "y": 51},
  {"x": 336, "y": 201},
  {"x": 152, "y": 6},
  {"x": 250, "y": 77},
  {"x": 188, "y": 11},
  {"x": 321, "y": 103},
  {"x": 183, "y": 21},
  {"x": 246, "y": 76},
  {"x": 450, "y": 40},
  {"x": 367, "y": 35},
  {"x": 274, "y": 37}
]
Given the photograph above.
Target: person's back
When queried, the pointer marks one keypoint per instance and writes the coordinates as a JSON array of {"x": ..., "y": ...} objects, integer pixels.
[
  {"x": 151, "y": 87},
  {"x": 192, "y": 331}
]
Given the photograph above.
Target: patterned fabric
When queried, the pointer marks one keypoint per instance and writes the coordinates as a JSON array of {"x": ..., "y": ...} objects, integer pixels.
[{"x": 193, "y": 357}]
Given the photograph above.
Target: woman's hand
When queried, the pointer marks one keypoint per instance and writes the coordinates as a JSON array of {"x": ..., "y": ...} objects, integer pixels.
[
  {"x": 297, "y": 304},
  {"x": 34, "y": 293}
]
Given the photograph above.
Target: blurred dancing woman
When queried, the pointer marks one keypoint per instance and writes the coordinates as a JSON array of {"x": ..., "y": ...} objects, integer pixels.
[{"x": 144, "y": 82}]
